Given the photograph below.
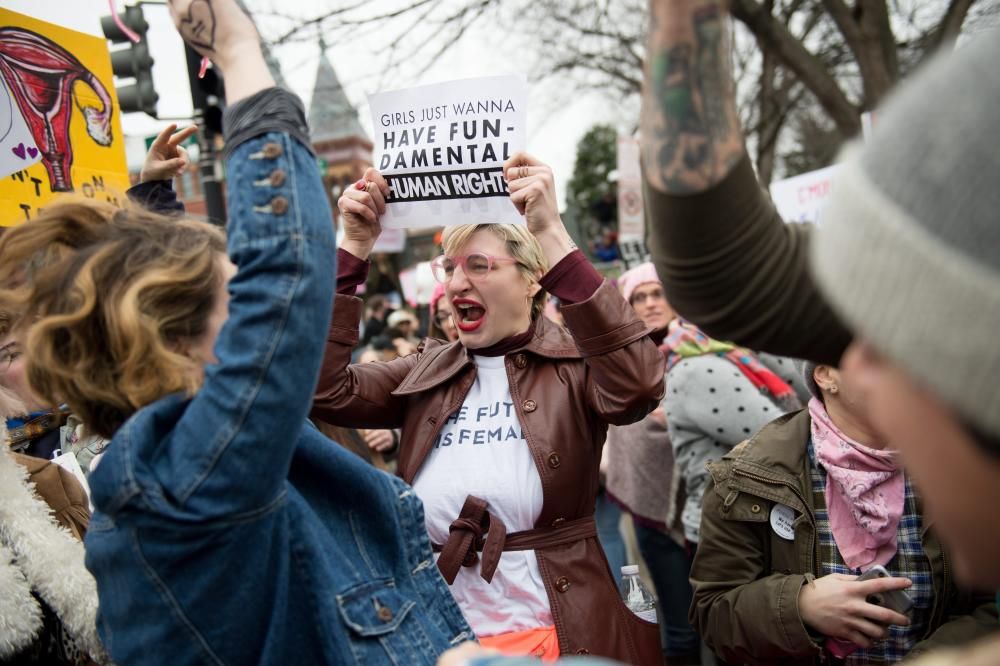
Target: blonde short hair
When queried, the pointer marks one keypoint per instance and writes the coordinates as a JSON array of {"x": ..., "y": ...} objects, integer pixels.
[{"x": 521, "y": 245}]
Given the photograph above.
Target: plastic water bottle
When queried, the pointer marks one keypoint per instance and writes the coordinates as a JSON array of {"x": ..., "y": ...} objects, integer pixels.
[{"x": 636, "y": 596}]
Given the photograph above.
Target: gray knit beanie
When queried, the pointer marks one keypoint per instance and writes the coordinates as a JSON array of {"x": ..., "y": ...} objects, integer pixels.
[{"x": 908, "y": 251}]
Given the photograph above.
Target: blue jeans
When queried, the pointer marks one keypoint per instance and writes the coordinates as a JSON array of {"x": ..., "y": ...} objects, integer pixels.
[
  {"x": 670, "y": 567},
  {"x": 608, "y": 517}
]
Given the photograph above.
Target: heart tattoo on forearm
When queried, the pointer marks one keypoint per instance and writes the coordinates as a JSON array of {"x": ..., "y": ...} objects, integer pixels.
[{"x": 198, "y": 27}]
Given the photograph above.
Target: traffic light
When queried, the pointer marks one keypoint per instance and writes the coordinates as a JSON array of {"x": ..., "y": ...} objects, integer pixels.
[
  {"x": 207, "y": 100},
  {"x": 132, "y": 62},
  {"x": 208, "y": 93}
]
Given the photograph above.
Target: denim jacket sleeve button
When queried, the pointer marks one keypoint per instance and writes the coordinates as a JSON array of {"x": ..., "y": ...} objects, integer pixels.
[
  {"x": 279, "y": 205},
  {"x": 277, "y": 177},
  {"x": 273, "y": 150}
]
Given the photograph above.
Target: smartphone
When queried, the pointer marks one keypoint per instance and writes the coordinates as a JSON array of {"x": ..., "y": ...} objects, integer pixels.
[{"x": 896, "y": 600}]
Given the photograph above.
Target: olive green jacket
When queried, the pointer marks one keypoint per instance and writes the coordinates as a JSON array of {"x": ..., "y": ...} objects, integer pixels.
[{"x": 747, "y": 579}]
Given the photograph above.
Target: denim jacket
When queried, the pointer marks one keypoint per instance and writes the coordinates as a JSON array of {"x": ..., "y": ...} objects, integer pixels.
[{"x": 227, "y": 529}]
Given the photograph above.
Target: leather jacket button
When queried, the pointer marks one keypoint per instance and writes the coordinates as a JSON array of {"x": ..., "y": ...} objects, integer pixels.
[
  {"x": 279, "y": 205},
  {"x": 529, "y": 405},
  {"x": 520, "y": 360},
  {"x": 272, "y": 150},
  {"x": 385, "y": 614},
  {"x": 562, "y": 583},
  {"x": 755, "y": 508},
  {"x": 558, "y": 522},
  {"x": 277, "y": 178},
  {"x": 554, "y": 460}
]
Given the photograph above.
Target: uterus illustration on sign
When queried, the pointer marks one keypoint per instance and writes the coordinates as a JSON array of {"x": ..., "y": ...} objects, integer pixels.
[{"x": 40, "y": 77}]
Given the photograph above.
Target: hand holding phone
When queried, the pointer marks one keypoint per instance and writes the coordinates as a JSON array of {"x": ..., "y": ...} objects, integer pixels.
[
  {"x": 838, "y": 606},
  {"x": 893, "y": 599}
]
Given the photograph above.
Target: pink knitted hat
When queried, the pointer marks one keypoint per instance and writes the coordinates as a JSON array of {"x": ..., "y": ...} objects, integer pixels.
[
  {"x": 639, "y": 275},
  {"x": 435, "y": 297}
]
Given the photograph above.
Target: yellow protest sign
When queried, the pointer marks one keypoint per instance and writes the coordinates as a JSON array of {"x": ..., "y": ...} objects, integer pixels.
[{"x": 60, "y": 127}]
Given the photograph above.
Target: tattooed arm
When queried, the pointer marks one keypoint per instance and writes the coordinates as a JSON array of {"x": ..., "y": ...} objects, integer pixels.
[
  {"x": 727, "y": 260},
  {"x": 221, "y": 31},
  {"x": 691, "y": 134}
]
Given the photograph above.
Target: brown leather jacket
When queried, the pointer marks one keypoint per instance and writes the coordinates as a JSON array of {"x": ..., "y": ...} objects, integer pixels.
[{"x": 566, "y": 387}]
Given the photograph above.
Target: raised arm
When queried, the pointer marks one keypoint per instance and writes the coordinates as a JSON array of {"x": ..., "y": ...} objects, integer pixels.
[
  {"x": 359, "y": 395},
  {"x": 727, "y": 260},
  {"x": 624, "y": 368},
  {"x": 231, "y": 450},
  {"x": 165, "y": 160},
  {"x": 690, "y": 132}
]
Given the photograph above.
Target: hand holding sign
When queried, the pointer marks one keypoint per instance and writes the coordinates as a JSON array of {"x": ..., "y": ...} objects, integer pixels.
[
  {"x": 533, "y": 192},
  {"x": 362, "y": 206},
  {"x": 167, "y": 158},
  {"x": 441, "y": 148}
]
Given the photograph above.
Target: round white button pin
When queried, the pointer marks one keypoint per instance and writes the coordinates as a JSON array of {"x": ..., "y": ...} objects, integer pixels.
[{"x": 783, "y": 521}]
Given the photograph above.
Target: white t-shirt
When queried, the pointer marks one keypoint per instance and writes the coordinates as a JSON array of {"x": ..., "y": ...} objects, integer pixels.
[{"x": 480, "y": 451}]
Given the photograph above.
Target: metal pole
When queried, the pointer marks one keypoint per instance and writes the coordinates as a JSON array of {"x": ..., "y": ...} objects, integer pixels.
[{"x": 215, "y": 203}]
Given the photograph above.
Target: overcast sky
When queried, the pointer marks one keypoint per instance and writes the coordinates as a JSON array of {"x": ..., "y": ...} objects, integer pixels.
[{"x": 555, "y": 121}]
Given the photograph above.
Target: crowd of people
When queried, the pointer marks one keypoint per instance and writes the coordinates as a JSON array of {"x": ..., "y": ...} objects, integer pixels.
[{"x": 215, "y": 452}]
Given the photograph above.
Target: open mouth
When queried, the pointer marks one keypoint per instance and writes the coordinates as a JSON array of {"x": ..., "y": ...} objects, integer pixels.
[{"x": 469, "y": 315}]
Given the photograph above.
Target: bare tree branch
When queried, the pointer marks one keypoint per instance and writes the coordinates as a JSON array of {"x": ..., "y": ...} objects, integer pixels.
[
  {"x": 307, "y": 25},
  {"x": 772, "y": 34},
  {"x": 465, "y": 18},
  {"x": 950, "y": 25},
  {"x": 814, "y": 62}
]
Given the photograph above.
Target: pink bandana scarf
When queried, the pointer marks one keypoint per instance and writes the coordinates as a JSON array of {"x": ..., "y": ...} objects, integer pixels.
[{"x": 864, "y": 493}]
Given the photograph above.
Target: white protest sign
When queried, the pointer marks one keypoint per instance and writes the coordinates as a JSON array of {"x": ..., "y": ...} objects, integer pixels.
[
  {"x": 441, "y": 149},
  {"x": 631, "y": 221},
  {"x": 801, "y": 198},
  {"x": 418, "y": 284},
  {"x": 631, "y": 224},
  {"x": 390, "y": 241}
]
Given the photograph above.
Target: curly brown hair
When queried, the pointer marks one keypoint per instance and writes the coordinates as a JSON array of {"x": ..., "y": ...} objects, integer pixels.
[{"x": 110, "y": 298}]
